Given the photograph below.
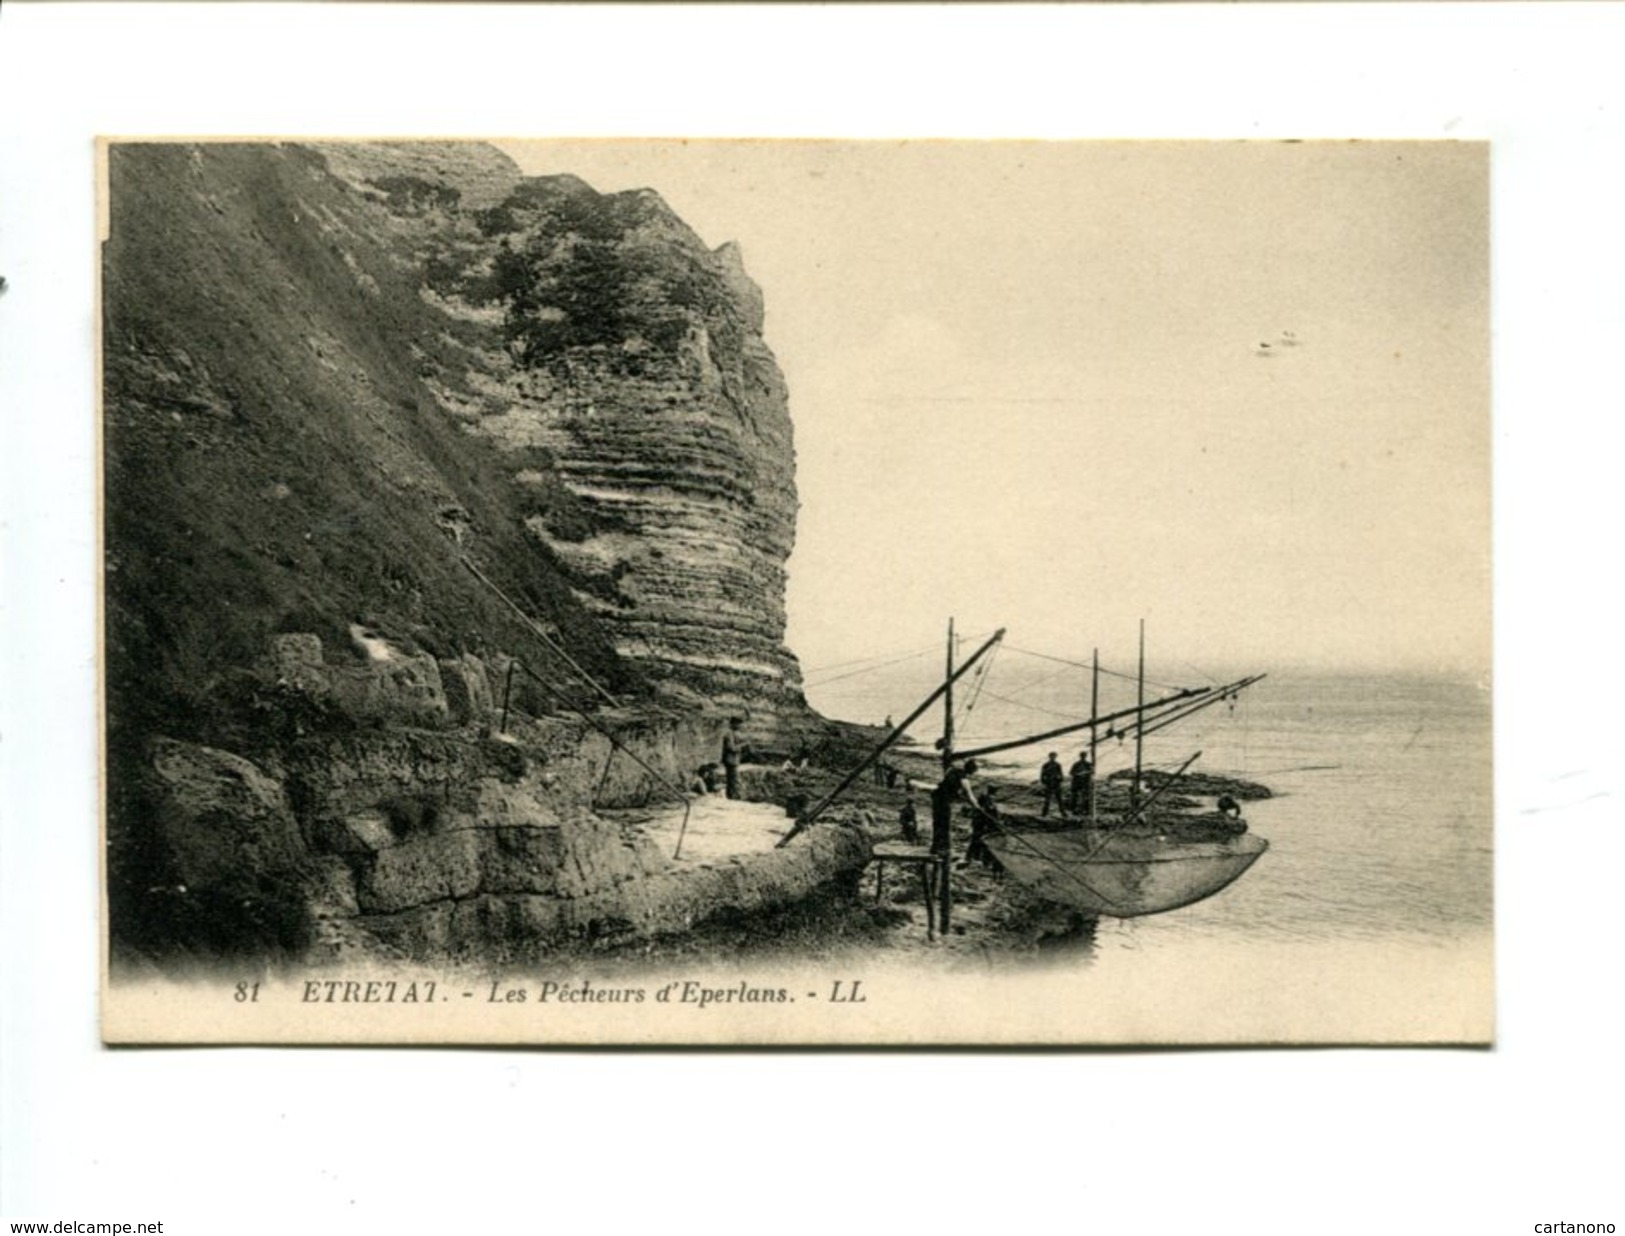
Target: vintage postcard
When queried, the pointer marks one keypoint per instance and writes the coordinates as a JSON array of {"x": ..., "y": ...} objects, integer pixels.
[{"x": 934, "y": 593}]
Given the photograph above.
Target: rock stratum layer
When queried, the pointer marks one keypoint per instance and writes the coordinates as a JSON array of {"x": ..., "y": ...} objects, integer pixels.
[{"x": 337, "y": 377}]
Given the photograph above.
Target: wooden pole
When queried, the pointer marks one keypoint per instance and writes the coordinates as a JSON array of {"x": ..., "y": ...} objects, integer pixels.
[
  {"x": 1207, "y": 700},
  {"x": 1094, "y": 707},
  {"x": 945, "y": 859},
  {"x": 1178, "y": 697},
  {"x": 886, "y": 742},
  {"x": 1158, "y": 792},
  {"x": 507, "y": 692},
  {"x": 1139, "y": 723}
]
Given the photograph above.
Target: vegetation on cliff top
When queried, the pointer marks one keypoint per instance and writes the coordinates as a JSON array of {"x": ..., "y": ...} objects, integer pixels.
[{"x": 577, "y": 269}]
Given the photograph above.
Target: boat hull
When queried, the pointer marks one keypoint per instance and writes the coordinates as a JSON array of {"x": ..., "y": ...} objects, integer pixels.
[{"x": 1121, "y": 875}]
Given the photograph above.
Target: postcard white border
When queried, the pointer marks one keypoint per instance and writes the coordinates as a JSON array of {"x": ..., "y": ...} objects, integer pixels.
[{"x": 1406, "y": 1140}]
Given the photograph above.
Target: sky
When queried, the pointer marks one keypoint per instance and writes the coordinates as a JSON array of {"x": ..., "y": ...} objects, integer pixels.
[{"x": 1237, "y": 389}]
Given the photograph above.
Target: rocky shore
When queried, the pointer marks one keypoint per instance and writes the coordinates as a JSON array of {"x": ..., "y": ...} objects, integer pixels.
[{"x": 994, "y": 918}]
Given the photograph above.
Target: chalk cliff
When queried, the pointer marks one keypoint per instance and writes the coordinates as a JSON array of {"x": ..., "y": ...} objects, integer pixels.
[
  {"x": 391, "y": 346},
  {"x": 336, "y": 377}
]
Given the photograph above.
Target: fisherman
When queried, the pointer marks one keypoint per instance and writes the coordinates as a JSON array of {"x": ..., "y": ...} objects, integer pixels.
[
  {"x": 1229, "y": 808},
  {"x": 731, "y": 748},
  {"x": 1050, "y": 777},
  {"x": 984, "y": 820},
  {"x": 954, "y": 786},
  {"x": 1083, "y": 777},
  {"x": 908, "y": 819}
]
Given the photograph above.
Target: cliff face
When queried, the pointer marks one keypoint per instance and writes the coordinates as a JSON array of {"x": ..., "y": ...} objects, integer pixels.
[
  {"x": 626, "y": 368},
  {"x": 333, "y": 371},
  {"x": 335, "y": 378}
]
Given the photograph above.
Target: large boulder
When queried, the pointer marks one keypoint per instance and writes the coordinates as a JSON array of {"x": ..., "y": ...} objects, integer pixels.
[
  {"x": 222, "y": 820},
  {"x": 467, "y": 688},
  {"x": 398, "y": 690}
]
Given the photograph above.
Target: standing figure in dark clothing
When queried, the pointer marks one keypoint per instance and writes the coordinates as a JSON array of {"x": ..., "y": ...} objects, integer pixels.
[
  {"x": 731, "y": 749},
  {"x": 1050, "y": 777},
  {"x": 984, "y": 820},
  {"x": 1083, "y": 787},
  {"x": 953, "y": 788},
  {"x": 908, "y": 819}
]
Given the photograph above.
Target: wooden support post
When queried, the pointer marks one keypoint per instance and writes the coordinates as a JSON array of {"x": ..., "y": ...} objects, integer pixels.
[
  {"x": 1094, "y": 710},
  {"x": 1139, "y": 725},
  {"x": 507, "y": 693},
  {"x": 930, "y": 907},
  {"x": 945, "y": 892}
]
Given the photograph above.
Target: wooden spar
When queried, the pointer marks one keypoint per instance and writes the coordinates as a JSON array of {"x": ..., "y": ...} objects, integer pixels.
[
  {"x": 1094, "y": 707},
  {"x": 1157, "y": 710},
  {"x": 891, "y": 738},
  {"x": 945, "y": 896},
  {"x": 1074, "y": 727},
  {"x": 1139, "y": 724},
  {"x": 1213, "y": 697},
  {"x": 1158, "y": 792}
]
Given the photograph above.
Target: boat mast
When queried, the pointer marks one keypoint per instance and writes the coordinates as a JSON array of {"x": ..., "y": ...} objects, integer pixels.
[
  {"x": 945, "y": 880},
  {"x": 1139, "y": 723},
  {"x": 880, "y": 749},
  {"x": 1094, "y": 710}
]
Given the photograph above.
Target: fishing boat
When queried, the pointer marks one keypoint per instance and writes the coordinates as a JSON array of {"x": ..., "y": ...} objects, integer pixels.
[
  {"x": 1123, "y": 873},
  {"x": 1137, "y": 866},
  {"x": 1134, "y": 866}
]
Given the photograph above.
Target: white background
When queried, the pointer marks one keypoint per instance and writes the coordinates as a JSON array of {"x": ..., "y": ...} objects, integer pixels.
[{"x": 1275, "y": 1142}]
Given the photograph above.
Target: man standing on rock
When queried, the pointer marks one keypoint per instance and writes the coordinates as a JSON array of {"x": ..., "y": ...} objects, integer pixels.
[
  {"x": 908, "y": 819},
  {"x": 1083, "y": 777},
  {"x": 731, "y": 747},
  {"x": 984, "y": 820},
  {"x": 954, "y": 786},
  {"x": 1050, "y": 777}
]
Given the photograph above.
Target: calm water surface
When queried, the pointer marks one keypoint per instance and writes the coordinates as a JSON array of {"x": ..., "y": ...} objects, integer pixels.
[{"x": 1380, "y": 830}]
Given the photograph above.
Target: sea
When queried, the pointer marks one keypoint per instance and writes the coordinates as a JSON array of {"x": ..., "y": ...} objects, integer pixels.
[{"x": 1380, "y": 823}]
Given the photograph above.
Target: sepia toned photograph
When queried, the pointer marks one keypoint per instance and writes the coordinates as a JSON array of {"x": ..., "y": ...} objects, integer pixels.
[{"x": 796, "y": 593}]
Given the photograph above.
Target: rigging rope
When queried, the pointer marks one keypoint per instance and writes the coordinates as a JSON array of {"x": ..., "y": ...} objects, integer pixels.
[
  {"x": 824, "y": 682},
  {"x": 1061, "y": 867},
  {"x": 976, "y": 688},
  {"x": 879, "y": 656},
  {"x": 1198, "y": 670},
  {"x": 1084, "y": 665},
  {"x": 1048, "y": 712}
]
